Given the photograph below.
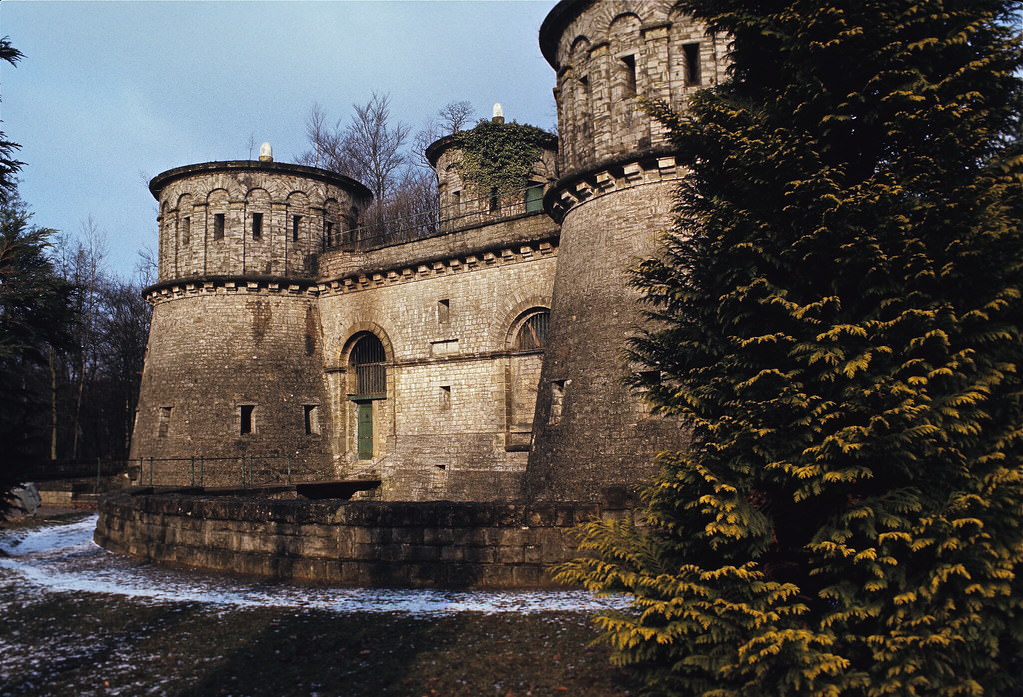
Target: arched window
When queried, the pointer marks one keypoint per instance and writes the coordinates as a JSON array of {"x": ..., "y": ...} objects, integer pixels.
[
  {"x": 527, "y": 339},
  {"x": 532, "y": 332},
  {"x": 368, "y": 363}
]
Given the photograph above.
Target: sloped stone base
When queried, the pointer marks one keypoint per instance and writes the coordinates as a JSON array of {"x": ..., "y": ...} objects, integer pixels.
[{"x": 348, "y": 543}]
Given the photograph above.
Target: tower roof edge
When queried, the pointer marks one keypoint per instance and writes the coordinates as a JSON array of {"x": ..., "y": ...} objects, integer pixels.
[
  {"x": 555, "y": 22},
  {"x": 157, "y": 183}
]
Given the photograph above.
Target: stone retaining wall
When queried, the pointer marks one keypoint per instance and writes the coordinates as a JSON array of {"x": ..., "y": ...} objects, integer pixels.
[{"x": 351, "y": 543}]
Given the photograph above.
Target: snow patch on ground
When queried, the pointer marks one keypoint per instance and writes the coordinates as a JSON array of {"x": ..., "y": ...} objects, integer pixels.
[{"x": 63, "y": 558}]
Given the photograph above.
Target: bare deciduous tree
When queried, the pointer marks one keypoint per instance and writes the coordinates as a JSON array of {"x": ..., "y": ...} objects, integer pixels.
[
  {"x": 455, "y": 116},
  {"x": 375, "y": 146},
  {"x": 327, "y": 143}
]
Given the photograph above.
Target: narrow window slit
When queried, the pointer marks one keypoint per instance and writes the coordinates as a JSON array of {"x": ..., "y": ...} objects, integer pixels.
[
  {"x": 692, "y": 54},
  {"x": 629, "y": 64},
  {"x": 246, "y": 420},
  {"x": 312, "y": 419}
]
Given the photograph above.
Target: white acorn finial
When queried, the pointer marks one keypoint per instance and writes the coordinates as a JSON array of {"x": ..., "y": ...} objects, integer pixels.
[
  {"x": 266, "y": 153},
  {"x": 498, "y": 113}
]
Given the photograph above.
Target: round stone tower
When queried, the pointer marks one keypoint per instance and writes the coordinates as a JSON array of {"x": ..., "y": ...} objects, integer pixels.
[
  {"x": 593, "y": 436},
  {"x": 233, "y": 364},
  {"x": 463, "y": 205}
]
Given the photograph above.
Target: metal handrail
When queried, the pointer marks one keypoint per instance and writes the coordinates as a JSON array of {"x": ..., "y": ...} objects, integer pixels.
[
  {"x": 437, "y": 221},
  {"x": 245, "y": 472}
]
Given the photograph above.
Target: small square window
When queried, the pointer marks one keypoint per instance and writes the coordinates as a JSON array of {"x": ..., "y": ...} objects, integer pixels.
[{"x": 534, "y": 198}]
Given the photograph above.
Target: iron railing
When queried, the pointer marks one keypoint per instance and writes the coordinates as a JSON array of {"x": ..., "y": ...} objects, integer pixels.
[
  {"x": 242, "y": 471},
  {"x": 436, "y": 221}
]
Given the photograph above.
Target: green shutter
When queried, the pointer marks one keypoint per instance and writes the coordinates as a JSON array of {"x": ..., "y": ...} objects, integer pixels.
[
  {"x": 365, "y": 433},
  {"x": 534, "y": 199}
]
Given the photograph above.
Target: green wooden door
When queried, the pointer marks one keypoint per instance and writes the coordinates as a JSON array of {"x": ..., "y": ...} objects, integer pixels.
[{"x": 365, "y": 433}]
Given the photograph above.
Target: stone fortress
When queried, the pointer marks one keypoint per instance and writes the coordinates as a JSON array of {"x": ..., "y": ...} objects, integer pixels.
[{"x": 483, "y": 362}]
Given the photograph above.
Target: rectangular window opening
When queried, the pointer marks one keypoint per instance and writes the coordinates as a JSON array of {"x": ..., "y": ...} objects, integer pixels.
[
  {"x": 692, "y": 53},
  {"x": 257, "y": 225},
  {"x": 534, "y": 198},
  {"x": 246, "y": 420},
  {"x": 443, "y": 311},
  {"x": 186, "y": 230},
  {"x": 328, "y": 232},
  {"x": 163, "y": 422},
  {"x": 445, "y": 397},
  {"x": 312, "y": 419},
  {"x": 629, "y": 63},
  {"x": 495, "y": 201},
  {"x": 218, "y": 226},
  {"x": 296, "y": 221},
  {"x": 557, "y": 401}
]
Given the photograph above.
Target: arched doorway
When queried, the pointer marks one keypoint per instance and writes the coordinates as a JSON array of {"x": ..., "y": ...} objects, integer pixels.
[
  {"x": 526, "y": 342},
  {"x": 367, "y": 363}
]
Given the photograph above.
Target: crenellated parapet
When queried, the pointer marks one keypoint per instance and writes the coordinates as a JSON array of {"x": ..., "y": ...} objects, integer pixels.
[
  {"x": 177, "y": 290},
  {"x": 608, "y": 178}
]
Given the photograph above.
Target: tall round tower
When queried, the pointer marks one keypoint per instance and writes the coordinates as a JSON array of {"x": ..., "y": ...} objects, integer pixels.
[
  {"x": 233, "y": 364},
  {"x": 592, "y": 434}
]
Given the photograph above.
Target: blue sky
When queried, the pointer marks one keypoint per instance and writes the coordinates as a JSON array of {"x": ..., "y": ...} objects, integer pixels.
[{"x": 110, "y": 94}]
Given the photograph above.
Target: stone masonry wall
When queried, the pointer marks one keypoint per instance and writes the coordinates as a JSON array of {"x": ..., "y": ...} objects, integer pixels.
[
  {"x": 607, "y": 53},
  {"x": 433, "y": 544},
  {"x": 300, "y": 208},
  {"x": 592, "y": 431},
  {"x": 215, "y": 348},
  {"x": 449, "y": 427}
]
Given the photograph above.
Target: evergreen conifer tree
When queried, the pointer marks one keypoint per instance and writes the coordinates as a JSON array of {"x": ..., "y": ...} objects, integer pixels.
[{"x": 839, "y": 316}]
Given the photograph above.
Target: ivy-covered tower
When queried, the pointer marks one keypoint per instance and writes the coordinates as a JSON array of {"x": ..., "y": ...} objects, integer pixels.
[{"x": 593, "y": 437}]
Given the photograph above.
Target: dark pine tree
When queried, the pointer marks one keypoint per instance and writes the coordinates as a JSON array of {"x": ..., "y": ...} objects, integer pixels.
[
  {"x": 34, "y": 316},
  {"x": 838, "y": 315}
]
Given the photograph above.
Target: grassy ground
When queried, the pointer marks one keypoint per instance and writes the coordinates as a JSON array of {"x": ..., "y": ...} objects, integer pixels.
[{"x": 97, "y": 644}]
